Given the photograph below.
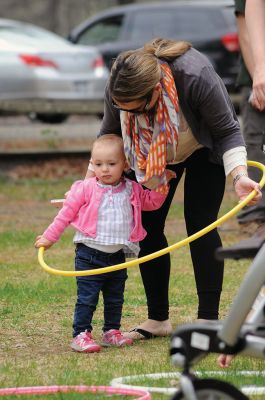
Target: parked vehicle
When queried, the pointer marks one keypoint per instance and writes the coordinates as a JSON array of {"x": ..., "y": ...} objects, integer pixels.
[
  {"x": 209, "y": 25},
  {"x": 43, "y": 74}
]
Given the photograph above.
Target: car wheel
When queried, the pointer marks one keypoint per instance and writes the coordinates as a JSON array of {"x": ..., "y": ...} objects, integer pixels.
[
  {"x": 48, "y": 118},
  {"x": 213, "y": 389}
]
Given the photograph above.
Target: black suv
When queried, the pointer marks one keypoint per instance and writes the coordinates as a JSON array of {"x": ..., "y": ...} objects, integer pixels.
[{"x": 209, "y": 25}]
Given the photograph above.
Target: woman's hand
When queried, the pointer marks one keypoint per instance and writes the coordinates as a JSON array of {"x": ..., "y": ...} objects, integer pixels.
[
  {"x": 224, "y": 360},
  {"x": 90, "y": 171},
  {"x": 41, "y": 241},
  {"x": 89, "y": 174},
  {"x": 244, "y": 186}
]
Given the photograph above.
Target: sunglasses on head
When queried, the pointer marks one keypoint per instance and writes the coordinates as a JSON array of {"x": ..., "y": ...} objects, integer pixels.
[{"x": 148, "y": 98}]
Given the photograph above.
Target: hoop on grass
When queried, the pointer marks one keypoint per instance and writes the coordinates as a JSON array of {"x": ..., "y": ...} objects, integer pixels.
[
  {"x": 109, "y": 390},
  {"x": 130, "y": 382}
]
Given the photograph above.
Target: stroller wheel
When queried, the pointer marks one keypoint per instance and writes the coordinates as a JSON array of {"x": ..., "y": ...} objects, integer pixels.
[{"x": 213, "y": 389}]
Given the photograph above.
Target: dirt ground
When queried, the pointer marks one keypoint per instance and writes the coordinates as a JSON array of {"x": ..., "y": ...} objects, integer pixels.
[{"x": 48, "y": 169}]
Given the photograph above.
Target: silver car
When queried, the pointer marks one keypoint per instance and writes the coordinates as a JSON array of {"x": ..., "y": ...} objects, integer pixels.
[{"x": 44, "y": 74}]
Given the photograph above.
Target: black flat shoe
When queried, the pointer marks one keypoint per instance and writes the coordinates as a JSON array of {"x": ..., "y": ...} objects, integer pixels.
[{"x": 143, "y": 334}]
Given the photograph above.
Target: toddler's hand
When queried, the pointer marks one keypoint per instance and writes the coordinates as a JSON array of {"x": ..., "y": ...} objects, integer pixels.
[
  {"x": 170, "y": 174},
  {"x": 152, "y": 183},
  {"x": 42, "y": 242}
]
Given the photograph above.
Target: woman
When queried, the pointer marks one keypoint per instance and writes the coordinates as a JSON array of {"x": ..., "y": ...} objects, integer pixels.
[{"x": 175, "y": 115}]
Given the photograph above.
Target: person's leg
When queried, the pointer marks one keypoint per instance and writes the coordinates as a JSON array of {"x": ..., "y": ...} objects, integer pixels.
[
  {"x": 113, "y": 295},
  {"x": 155, "y": 273},
  {"x": 203, "y": 193},
  {"x": 253, "y": 122},
  {"x": 88, "y": 289}
]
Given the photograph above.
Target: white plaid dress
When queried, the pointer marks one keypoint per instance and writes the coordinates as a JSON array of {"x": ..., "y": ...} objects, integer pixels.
[{"x": 115, "y": 223}]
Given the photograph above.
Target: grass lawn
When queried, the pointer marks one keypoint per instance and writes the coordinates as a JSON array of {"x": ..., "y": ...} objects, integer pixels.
[{"x": 36, "y": 308}]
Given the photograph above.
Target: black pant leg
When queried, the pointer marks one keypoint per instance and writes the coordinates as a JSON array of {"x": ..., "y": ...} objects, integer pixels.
[
  {"x": 155, "y": 273},
  {"x": 203, "y": 194}
]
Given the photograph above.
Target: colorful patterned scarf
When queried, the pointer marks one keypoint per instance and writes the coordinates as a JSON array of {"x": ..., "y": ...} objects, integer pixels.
[{"x": 146, "y": 146}]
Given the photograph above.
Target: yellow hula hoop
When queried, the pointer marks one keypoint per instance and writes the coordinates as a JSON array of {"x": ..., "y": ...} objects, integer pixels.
[{"x": 159, "y": 253}]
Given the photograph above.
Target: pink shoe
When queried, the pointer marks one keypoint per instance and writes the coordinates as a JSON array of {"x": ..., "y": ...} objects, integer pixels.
[
  {"x": 114, "y": 337},
  {"x": 83, "y": 343}
]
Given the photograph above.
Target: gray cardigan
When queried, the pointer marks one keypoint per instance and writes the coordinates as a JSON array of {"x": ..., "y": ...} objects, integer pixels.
[{"x": 204, "y": 101}]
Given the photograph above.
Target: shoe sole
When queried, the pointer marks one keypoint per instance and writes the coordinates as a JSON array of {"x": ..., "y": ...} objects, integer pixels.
[
  {"x": 115, "y": 345},
  {"x": 87, "y": 350}
]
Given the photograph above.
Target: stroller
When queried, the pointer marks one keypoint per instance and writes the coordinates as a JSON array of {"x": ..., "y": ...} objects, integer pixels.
[{"x": 235, "y": 335}]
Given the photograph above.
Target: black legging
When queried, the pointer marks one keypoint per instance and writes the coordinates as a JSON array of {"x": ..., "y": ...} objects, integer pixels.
[{"x": 203, "y": 193}]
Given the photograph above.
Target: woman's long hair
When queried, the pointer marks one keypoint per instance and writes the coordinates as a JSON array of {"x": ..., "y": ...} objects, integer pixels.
[{"x": 136, "y": 72}]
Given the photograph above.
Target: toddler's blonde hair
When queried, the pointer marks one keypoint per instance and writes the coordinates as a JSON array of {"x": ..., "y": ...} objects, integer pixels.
[{"x": 109, "y": 139}]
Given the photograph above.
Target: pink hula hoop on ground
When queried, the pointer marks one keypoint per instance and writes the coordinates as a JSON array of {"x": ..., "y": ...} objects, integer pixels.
[{"x": 75, "y": 389}]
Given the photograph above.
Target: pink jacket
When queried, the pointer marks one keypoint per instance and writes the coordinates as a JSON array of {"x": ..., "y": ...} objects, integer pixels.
[{"x": 82, "y": 203}]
